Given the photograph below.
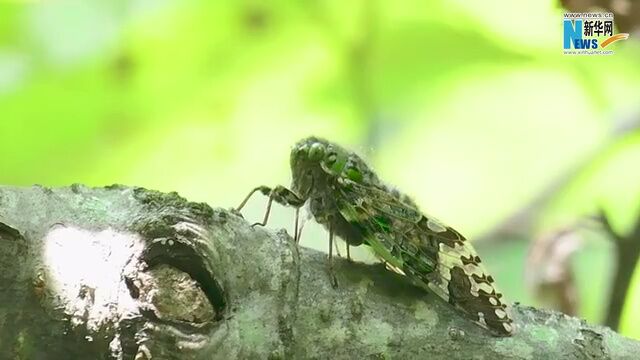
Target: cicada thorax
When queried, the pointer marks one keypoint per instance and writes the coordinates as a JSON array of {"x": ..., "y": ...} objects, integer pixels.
[{"x": 324, "y": 208}]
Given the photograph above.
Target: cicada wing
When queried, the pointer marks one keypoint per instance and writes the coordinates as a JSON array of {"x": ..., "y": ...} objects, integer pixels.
[{"x": 431, "y": 253}]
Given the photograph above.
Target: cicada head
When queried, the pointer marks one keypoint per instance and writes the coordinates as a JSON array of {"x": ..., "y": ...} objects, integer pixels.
[{"x": 314, "y": 161}]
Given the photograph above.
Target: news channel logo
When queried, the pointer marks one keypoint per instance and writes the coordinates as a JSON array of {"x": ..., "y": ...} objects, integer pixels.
[{"x": 589, "y": 33}]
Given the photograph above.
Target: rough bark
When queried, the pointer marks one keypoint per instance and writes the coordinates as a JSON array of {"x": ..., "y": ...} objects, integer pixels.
[{"x": 127, "y": 273}]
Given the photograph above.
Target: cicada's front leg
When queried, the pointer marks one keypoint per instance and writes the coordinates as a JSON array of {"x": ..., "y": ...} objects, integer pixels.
[{"x": 281, "y": 195}]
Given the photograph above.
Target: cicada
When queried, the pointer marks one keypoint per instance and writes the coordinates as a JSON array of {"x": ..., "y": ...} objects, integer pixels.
[{"x": 347, "y": 197}]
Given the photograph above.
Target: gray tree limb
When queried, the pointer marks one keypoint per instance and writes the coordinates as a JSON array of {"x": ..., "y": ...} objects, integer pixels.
[{"x": 127, "y": 273}]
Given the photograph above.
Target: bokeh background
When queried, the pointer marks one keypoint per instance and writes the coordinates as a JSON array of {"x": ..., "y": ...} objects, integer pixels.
[{"x": 469, "y": 107}]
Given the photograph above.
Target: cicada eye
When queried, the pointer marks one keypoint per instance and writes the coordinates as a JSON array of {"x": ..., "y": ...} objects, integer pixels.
[
  {"x": 316, "y": 152},
  {"x": 302, "y": 149}
]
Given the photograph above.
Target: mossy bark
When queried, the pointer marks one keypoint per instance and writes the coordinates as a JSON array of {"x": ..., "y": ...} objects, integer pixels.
[{"x": 122, "y": 272}]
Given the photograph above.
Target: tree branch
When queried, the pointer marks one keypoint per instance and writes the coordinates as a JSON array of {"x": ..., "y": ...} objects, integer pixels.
[
  {"x": 120, "y": 272},
  {"x": 627, "y": 253}
]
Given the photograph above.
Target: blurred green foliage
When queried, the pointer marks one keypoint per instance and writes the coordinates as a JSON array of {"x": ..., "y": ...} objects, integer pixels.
[{"x": 468, "y": 106}]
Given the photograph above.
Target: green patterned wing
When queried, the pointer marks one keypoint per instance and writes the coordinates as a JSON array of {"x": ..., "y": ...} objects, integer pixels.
[{"x": 432, "y": 254}]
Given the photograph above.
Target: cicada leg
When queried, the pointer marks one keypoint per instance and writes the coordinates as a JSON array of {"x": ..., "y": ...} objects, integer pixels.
[
  {"x": 265, "y": 190},
  {"x": 299, "y": 234},
  {"x": 336, "y": 246},
  {"x": 332, "y": 276},
  {"x": 281, "y": 195},
  {"x": 295, "y": 227}
]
